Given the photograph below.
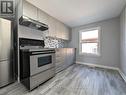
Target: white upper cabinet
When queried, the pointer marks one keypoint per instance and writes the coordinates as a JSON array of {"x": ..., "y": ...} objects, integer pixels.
[
  {"x": 29, "y": 10},
  {"x": 59, "y": 29},
  {"x": 43, "y": 17},
  {"x": 62, "y": 31},
  {"x": 52, "y": 27},
  {"x": 56, "y": 28},
  {"x": 50, "y": 21},
  {"x": 66, "y": 35}
]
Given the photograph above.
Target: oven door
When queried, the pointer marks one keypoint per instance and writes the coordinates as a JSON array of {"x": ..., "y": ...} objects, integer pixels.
[{"x": 41, "y": 62}]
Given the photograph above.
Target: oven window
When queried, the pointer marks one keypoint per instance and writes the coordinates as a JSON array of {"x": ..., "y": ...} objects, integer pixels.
[{"x": 44, "y": 60}]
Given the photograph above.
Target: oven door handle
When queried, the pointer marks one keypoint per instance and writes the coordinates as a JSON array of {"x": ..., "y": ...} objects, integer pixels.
[{"x": 38, "y": 53}]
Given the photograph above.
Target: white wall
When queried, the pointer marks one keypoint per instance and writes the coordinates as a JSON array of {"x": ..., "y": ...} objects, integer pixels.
[
  {"x": 123, "y": 41},
  {"x": 110, "y": 43}
]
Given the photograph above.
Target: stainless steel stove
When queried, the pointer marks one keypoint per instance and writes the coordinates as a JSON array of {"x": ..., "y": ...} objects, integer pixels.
[{"x": 37, "y": 64}]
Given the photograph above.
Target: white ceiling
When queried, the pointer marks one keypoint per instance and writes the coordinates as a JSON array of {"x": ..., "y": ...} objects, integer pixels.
[{"x": 80, "y": 12}]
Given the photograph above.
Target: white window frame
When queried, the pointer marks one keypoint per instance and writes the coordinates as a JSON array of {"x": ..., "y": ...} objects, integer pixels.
[{"x": 99, "y": 38}]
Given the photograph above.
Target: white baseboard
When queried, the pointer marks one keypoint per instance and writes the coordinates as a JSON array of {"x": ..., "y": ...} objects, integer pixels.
[
  {"x": 104, "y": 67},
  {"x": 122, "y": 75},
  {"x": 99, "y": 66}
]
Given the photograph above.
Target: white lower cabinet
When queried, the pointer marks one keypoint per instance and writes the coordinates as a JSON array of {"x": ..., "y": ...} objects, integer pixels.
[{"x": 64, "y": 58}]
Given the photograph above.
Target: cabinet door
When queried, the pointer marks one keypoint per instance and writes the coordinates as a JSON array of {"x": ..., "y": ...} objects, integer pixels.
[
  {"x": 65, "y": 33},
  {"x": 59, "y": 29},
  {"x": 60, "y": 56},
  {"x": 62, "y": 31},
  {"x": 64, "y": 58},
  {"x": 29, "y": 10},
  {"x": 52, "y": 27},
  {"x": 43, "y": 17},
  {"x": 70, "y": 58},
  {"x": 60, "y": 59}
]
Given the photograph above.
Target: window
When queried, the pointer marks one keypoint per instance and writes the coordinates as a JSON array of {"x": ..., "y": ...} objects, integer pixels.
[{"x": 89, "y": 41}]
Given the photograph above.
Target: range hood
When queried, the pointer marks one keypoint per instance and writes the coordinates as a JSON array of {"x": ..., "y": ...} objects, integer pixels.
[{"x": 28, "y": 22}]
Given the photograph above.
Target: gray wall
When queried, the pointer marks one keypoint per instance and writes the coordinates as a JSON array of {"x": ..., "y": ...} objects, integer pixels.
[
  {"x": 123, "y": 41},
  {"x": 110, "y": 43}
]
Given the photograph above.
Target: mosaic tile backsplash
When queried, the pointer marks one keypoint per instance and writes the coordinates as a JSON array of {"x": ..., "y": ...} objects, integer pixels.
[{"x": 54, "y": 43}]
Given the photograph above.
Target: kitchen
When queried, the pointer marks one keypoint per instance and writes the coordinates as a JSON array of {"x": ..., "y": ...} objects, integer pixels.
[{"x": 47, "y": 53}]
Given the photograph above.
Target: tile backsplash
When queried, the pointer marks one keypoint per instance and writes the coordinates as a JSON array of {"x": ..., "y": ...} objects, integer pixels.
[{"x": 54, "y": 43}]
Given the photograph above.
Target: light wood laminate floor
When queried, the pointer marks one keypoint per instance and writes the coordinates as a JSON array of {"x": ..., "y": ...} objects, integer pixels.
[{"x": 76, "y": 80}]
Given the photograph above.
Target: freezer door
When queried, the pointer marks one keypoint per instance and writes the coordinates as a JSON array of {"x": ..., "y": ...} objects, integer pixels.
[
  {"x": 6, "y": 73},
  {"x": 5, "y": 39}
]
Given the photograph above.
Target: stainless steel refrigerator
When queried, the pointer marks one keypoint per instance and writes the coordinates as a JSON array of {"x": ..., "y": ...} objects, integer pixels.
[{"x": 6, "y": 53}]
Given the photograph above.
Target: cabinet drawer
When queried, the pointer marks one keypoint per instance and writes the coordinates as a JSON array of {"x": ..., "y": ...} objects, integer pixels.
[{"x": 40, "y": 78}]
